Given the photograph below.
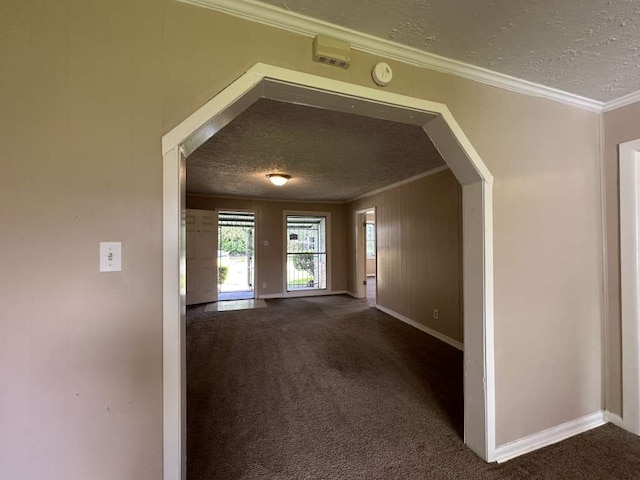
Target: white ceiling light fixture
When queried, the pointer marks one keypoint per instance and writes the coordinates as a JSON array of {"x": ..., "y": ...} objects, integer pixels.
[{"x": 278, "y": 179}]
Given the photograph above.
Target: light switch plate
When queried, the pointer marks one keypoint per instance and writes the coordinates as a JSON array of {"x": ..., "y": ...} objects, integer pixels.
[{"x": 110, "y": 256}]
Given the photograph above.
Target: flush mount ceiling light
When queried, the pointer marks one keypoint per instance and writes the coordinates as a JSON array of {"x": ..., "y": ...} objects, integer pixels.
[{"x": 278, "y": 179}]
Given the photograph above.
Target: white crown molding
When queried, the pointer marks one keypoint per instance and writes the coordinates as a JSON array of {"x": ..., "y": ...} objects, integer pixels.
[
  {"x": 549, "y": 436},
  {"x": 264, "y": 199},
  {"x": 433, "y": 171},
  {"x": 324, "y": 202},
  {"x": 622, "y": 101},
  {"x": 294, "y": 22}
]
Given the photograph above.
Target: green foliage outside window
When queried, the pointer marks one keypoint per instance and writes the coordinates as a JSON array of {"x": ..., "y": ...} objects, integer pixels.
[
  {"x": 234, "y": 240},
  {"x": 371, "y": 240},
  {"x": 304, "y": 262},
  {"x": 223, "y": 271}
]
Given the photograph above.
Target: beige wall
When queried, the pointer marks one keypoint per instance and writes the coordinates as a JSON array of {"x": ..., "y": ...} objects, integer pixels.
[
  {"x": 619, "y": 126},
  {"x": 419, "y": 250},
  {"x": 87, "y": 91},
  {"x": 269, "y": 226},
  {"x": 80, "y": 351}
]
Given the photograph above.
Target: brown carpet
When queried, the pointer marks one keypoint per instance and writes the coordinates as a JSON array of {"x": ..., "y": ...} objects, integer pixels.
[{"x": 330, "y": 388}]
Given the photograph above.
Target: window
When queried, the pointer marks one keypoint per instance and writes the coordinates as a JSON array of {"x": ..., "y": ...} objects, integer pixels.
[
  {"x": 306, "y": 252},
  {"x": 371, "y": 240}
]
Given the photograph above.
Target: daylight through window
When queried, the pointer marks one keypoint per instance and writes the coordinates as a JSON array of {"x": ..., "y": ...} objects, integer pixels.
[{"x": 306, "y": 252}]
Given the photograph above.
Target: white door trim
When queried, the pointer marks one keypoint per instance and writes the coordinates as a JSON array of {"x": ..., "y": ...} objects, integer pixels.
[
  {"x": 630, "y": 283},
  {"x": 361, "y": 251},
  {"x": 174, "y": 300},
  {"x": 460, "y": 156}
]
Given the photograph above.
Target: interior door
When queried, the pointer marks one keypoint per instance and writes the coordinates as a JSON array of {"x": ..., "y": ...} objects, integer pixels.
[{"x": 202, "y": 256}]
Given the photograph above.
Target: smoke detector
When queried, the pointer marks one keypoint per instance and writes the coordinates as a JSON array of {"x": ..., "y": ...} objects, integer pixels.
[{"x": 332, "y": 52}]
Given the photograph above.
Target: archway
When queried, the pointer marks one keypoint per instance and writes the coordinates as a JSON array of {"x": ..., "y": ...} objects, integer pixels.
[{"x": 265, "y": 81}]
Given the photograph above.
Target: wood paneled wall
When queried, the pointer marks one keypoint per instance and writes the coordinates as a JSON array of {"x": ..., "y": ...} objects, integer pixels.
[{"x": 419, "y": 233}]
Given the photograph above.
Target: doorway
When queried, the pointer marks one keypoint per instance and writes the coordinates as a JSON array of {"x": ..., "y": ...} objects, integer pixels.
[
  {"x": 265, "y": 81},
  {"x": 366, "y": 255},
  {"x": 371, "y": 264},
  {"x": 236, "y": 255}
]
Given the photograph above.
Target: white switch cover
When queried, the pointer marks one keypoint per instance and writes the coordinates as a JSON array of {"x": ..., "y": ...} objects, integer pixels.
[
  {"x": 265, "y": 243},
  {"x": 110, "y": 256}
]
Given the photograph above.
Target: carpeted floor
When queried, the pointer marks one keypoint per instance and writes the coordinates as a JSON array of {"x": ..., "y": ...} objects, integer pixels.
[{"x": 329, "y": 388}]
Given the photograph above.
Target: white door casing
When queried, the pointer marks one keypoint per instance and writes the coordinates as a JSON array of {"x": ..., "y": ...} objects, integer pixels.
[
  {"x": 630, "y": 283},
  {"x": 201, "y": 256},
  {"x": 361, "y": 253},
  {"x": 266, "y": 81}
]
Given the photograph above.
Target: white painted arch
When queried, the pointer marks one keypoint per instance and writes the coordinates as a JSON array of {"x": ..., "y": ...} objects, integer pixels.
[{"x": 266, "y": 81}]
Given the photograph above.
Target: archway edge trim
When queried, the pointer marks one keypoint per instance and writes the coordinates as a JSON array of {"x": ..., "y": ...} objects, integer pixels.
[
  {"x": 261, "y": 71},
  {"x": 464, "y": 162}
]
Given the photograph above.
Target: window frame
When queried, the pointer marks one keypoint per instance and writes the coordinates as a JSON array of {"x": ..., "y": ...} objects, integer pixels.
[
  {"x": 311, "y": 291},
  {"x": 366, "y": 240}
]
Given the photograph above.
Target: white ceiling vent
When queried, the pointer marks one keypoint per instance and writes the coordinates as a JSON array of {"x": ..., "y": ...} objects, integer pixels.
[{"x": 332, "y": 52}]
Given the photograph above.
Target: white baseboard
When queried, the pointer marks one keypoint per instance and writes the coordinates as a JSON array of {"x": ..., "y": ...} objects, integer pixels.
[
  {"x": 313, "y": 293},
  {"x": 307, "y": 293},
  {"x": 271, "y": 295},
  {"x": 419, "y": 326},
  {"x": 614, "y": 418},
  {"x": 549, "y": 436}
]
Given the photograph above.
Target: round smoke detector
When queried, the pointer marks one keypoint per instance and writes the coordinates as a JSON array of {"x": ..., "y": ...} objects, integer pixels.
[{"x": 382, "y": 74}]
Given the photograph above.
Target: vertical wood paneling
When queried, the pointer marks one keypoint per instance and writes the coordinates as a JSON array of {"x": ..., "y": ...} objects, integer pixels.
[{"x": 419, "y": 251}]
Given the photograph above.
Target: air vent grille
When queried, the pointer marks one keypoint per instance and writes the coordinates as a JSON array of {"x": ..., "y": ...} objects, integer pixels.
[{"x": 332, "y": 52}]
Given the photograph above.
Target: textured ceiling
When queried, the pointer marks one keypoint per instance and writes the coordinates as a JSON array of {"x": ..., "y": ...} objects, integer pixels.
[
  {"x": 331, "y": 156},
  {"x": 586, "y": 47}
]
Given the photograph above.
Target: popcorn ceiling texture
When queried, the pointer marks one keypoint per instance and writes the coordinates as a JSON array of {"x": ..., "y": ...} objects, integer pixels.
[
  {"x": 331, "y": 156},
  {"x": 587, "y": 47}
]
